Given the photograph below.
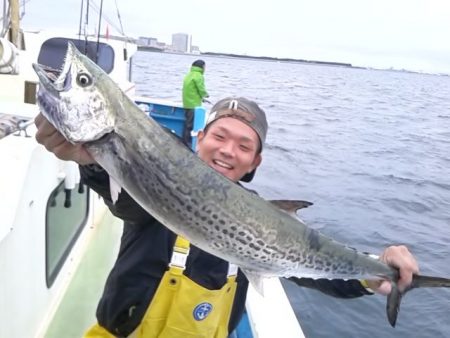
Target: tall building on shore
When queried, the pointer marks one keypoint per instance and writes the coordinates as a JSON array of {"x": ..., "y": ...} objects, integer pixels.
[{"x": 181, "y": 42}]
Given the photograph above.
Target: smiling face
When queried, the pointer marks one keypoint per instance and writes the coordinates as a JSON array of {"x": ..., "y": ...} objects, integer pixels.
[{"x": 230, "y": 147}]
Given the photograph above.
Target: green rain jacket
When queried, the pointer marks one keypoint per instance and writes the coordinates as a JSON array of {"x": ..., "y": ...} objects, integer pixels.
[{"x": 194, "y": 88}]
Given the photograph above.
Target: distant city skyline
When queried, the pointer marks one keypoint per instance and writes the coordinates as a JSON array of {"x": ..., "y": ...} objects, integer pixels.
[
  {"x": 181, "y": 43},
  {"x": 403, "y": 34}
]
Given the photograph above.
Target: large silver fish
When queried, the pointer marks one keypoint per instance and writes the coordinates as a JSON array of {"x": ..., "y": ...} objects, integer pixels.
[{"x": 190, "y": 198}]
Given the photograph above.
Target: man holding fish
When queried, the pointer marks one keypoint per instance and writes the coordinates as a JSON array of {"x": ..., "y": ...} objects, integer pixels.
[
  {"x": 162, "y": 285},
  {"x": 233, "y": 147}
]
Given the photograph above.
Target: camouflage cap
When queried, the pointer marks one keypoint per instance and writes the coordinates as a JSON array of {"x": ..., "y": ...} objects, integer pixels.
[{"x": 243, "y": 109}]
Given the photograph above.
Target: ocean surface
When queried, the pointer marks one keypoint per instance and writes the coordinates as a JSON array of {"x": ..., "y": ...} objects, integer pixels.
[{"x": 370, "y": 149}]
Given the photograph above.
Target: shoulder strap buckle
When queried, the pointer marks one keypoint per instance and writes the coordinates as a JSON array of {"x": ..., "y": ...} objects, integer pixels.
[{"x": 180, "y": 253}]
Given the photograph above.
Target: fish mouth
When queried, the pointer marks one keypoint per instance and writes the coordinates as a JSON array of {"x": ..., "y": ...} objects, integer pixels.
[
  {"x": 54, "y": 81},
  {"x": 48, "y": 95}
]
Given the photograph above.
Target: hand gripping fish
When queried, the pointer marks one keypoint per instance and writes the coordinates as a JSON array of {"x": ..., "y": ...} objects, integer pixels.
[{"x": 211, "y": 211}]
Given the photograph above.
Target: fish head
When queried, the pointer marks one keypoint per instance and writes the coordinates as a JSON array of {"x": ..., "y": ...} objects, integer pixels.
[{"x": 78, "y": 101}]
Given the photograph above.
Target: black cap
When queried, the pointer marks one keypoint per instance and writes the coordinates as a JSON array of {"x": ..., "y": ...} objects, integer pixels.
[{"x": 199, "y": 63}]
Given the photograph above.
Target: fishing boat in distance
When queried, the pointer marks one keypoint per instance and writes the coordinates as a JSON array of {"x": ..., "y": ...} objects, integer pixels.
[{"x": 58, "y": 241}]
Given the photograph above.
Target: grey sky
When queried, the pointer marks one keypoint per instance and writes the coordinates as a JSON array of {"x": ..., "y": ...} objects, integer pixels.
[{"x": 410, "y": 34}]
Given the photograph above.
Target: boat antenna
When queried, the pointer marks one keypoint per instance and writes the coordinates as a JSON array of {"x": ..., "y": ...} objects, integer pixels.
[
  {"x": 120, "y": 20},
  {"x": 86, "y": 23},
  {"x": 112, "y": 23},
  {"x": 98, "y": 30},
  {"x": 81, "y": 19}
]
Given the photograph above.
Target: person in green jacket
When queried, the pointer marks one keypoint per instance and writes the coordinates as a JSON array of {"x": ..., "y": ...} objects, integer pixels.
[{"x": 194, "y": 91}]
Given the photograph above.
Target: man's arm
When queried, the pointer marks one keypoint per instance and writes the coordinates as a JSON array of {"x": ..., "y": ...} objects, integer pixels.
[
  {"x": 396, "y": 256},
  {"x": 339, "y": 288},
  {"x": 200, "y": 84}
]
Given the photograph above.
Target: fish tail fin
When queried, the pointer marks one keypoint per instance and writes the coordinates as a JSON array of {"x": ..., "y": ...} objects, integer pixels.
[
  {"x": 393, "y": 303},
  {"x": 395, "y": 297}
]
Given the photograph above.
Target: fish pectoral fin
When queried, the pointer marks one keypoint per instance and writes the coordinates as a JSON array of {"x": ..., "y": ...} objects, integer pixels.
[
  {"x": 114, "y": 189},
  {"x": 256, "y": 280},
  {"x": 291, "y": 206}
]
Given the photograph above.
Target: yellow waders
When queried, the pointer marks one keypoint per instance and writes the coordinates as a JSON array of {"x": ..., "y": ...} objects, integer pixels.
[{"x": 181, "y": 308}]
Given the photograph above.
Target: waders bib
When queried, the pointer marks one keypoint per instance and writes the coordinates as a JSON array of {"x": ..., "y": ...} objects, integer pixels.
[{"x": 181, "y": 308}]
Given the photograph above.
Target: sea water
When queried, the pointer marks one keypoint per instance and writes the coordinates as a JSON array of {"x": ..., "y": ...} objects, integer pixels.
[{"x": 370, "y": 149}]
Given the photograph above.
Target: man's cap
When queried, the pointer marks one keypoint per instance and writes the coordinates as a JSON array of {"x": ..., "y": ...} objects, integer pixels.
[
  {"x": 246, "y": 111},
  {"x": 199, "y": 63}
]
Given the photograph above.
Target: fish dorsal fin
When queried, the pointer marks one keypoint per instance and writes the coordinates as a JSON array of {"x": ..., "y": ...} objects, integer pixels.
[
  {"x": 114, "y": 189},
  {"x": 256, "y": 280},
  {"x": 291, "y": 206}
]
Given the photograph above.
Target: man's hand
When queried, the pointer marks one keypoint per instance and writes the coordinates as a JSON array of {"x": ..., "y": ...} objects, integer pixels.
[
  {"x": 399, "y": 257},
  {"x": 53, "y": 141}
]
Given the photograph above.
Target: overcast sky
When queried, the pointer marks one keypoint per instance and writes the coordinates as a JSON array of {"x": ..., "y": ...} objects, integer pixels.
[{"x": 410, "y": 34}]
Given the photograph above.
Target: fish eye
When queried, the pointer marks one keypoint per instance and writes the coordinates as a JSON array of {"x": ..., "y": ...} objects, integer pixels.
[{"x": 84, "y": 80}]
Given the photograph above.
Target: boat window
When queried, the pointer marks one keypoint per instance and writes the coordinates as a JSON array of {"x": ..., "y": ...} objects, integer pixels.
[
  {"x": 65, "y": 218},
  {"x": 53, "y": 51}
]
